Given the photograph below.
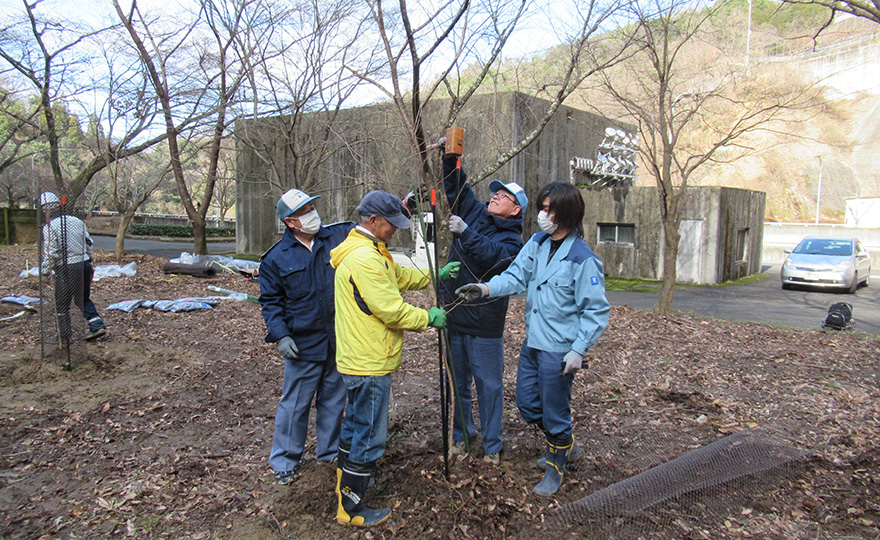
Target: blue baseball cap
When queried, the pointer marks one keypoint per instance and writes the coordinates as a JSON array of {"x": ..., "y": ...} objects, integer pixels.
[
  {"x": 514, "y": 189},
  {"x": 385, "y": 205},
  {"x": 292, "y": 201}
]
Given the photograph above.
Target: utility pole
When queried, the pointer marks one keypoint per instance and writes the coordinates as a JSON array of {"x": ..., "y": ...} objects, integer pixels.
[
  {"x": 749, "y": 38},
  {"x": 819, "y": 191}
]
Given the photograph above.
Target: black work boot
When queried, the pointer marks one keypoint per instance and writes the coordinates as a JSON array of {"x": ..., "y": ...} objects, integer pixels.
[
  {"x": 351, "y": 509},
  {"x": 557, "y": 456}
]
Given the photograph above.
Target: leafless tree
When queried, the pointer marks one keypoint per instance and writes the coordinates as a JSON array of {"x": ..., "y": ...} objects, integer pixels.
[
  {"x": 868, "y": 9},
  {"x": 303, "y": 92},
  {"x": 197, "y": 65},
  {"x": 427, "y": 47},
  {"x": 693, "y": 105},
  {"x": 52, "y": 55}
]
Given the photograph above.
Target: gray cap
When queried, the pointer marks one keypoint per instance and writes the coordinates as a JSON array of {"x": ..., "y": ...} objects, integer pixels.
[{"x": 383, "y": 204}]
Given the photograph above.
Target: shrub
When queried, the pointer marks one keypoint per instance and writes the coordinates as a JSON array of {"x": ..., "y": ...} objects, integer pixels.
[{"x": 177, "y": 231}]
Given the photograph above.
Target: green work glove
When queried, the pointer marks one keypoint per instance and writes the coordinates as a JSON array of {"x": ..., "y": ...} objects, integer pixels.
[
  {"x": 436, "y": 317},
  {"x": 450, "y": 271}
]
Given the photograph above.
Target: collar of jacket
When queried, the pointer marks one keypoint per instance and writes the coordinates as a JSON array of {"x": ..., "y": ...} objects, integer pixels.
[
  {"x": 512, "y": 223},
  {"x": 378, "y": 244},
  {"x": 289, "y": 239}
]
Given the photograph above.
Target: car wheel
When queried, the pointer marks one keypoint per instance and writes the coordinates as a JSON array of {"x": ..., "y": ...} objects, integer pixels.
[
  {"x": 854, "y": 285},
  {"x": 868, "y": 278}
]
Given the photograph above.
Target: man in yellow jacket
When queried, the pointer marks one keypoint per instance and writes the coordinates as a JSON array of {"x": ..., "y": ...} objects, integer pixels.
[{"x": 371, "y": 317}]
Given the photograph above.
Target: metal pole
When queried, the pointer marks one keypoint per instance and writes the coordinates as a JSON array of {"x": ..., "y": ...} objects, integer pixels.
[
  {"x": 444, "y": 407},
  {"x": 819, "y": 192}
]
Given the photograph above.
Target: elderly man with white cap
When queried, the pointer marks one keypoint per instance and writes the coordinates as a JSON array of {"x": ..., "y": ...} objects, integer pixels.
[
  {"x": 486, "y": 239},
  {"x": 296, "y": 292}
]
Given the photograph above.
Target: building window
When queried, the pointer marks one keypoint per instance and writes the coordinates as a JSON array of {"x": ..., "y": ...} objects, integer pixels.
[
  {"x": 617, "y": 233},
  {"x": 742, "y": 245}
]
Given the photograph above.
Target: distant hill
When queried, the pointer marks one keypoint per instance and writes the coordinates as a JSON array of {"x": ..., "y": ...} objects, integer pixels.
[{"x": 844, "y": 134}]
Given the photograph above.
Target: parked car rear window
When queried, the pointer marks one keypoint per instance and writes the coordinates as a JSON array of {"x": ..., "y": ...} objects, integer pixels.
[{"x": 823, "y": 246}]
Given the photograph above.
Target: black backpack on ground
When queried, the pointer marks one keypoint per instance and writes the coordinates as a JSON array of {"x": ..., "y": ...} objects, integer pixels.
[{"x": 839, "y": 317}]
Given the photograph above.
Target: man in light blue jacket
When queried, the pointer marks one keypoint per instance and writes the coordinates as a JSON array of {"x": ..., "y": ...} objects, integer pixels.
[{"x": 566, "y": 312}]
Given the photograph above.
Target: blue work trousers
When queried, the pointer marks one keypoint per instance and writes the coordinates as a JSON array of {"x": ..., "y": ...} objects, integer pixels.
[
  {"x": 365, "y": 429},
  {"x": 543, "y": 396},
  {"x": 304, "y": 382},
  {"x": 478, "y": 361}
]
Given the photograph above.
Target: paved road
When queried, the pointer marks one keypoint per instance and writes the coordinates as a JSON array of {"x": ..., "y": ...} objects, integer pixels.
[
  {"x": 158, "y": 248},
  {"x": 763, "y": 301},
  {"x": 766, "y": 302}
]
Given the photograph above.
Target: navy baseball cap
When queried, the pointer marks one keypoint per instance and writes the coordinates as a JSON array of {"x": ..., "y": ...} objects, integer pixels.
[{"x": 383, "y": 204}]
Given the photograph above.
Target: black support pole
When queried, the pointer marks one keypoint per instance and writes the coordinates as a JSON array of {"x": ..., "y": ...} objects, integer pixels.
[{"x": 444, "y": 390}]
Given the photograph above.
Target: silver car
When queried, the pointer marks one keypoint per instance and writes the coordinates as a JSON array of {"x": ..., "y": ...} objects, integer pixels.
[{"x": 827, "y": 262}]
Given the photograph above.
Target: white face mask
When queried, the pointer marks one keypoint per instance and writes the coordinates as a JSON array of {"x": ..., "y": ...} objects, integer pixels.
[
  {"x": 546, "y": 223},
  {"x": 310, "y": 223}
]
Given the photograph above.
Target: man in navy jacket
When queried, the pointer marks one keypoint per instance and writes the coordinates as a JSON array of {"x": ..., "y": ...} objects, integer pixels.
[
  {"x": 487, "y": 237},
  {"x": 296, "y": 292}
]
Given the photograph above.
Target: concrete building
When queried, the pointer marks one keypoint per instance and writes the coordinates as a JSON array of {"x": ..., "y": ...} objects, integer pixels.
[
  {"x": 370, "y": 152},
  {"x": 721, "y": 233},
  {"x": 721, "y": 227}
]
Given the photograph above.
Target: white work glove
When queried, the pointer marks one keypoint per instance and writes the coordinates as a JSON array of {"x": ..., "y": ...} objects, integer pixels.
[
  {"x": 288, "y": 349},
  {"x": 456, "y": 224},
  {"x": 571, "y": 362},
  {"x": 472, "y": 291}
]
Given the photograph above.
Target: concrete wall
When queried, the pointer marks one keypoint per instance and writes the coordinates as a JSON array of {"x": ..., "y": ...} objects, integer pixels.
[
  {"x": 781, "y": 236},
  {"x": 719, "y": 215},
  {"x": 371, "y": 152},
  {"x": 18, "y": 226}
]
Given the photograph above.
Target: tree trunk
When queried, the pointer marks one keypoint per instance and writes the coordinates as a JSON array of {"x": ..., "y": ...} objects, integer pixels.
[
  {"x": 124, "y": 222},
  {"x": 200, "y": 242},
  {"x": 670, "y": 256}
]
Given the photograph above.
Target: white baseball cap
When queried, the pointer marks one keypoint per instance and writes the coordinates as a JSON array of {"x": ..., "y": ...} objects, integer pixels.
[
  {"x": 514, "y": 189},
  {"x": 48, "y": 198},
  {"x": 292, "y": 201}
]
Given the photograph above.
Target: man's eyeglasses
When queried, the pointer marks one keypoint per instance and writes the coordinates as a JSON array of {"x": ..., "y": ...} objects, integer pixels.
[{"x": 504, "y": 195}]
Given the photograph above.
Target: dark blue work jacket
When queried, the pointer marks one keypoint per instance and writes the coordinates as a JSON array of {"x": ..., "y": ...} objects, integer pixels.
[
  {"x": 485, "y": 249},
  {"x": 296, "y": 291}
]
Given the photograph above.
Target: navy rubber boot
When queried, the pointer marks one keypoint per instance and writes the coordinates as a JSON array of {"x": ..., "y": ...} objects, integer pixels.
[{"x": 554, "y": 470}]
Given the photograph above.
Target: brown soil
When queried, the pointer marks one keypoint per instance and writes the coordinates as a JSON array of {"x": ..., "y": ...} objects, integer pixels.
[{"x": 165, "y": 431}]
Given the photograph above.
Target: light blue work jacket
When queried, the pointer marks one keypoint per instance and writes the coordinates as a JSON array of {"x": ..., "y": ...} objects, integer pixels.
[{"x": 566, "y": 308}]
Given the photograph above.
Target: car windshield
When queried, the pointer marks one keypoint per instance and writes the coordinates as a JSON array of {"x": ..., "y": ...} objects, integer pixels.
[{"x": 824, "y": 246}]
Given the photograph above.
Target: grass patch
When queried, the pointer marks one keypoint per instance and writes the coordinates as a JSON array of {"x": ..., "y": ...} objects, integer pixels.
[
  {"x": 641, "y": 285},
  {"x": 754, "y": 278},
  {"x": 632, "y": 285}
]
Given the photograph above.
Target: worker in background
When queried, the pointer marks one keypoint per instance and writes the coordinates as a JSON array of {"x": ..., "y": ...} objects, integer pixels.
[
  {"x": 67, "y": 250},
  {"x": 296, "y": 292},
  {"x": 566, "y": 311},
  {"x": 486, "y": 238},
  {"x": 371, "y": 317}
]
